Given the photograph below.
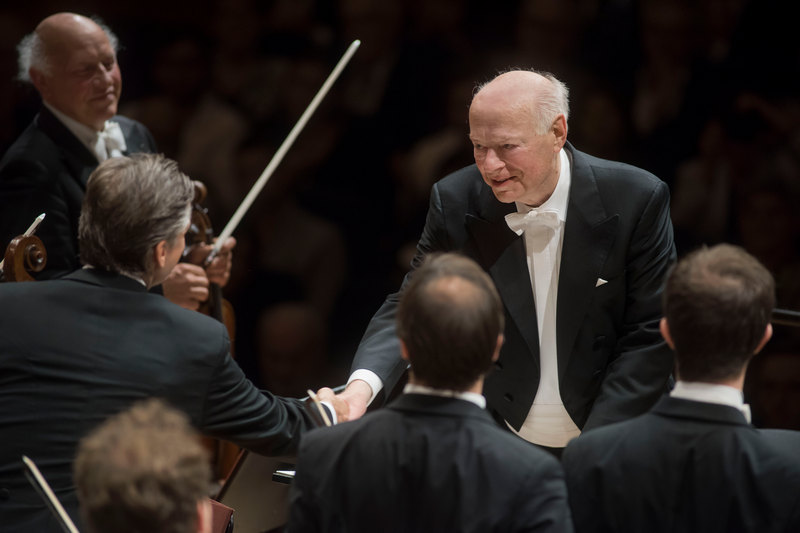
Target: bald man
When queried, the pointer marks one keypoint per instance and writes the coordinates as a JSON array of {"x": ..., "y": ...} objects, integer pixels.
[
  {"x": 578, "y": 248},
  {"x": 71, "y": 61}
]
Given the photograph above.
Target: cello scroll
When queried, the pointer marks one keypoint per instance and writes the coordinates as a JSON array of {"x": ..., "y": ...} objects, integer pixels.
[{"x": 24, "y": 255}]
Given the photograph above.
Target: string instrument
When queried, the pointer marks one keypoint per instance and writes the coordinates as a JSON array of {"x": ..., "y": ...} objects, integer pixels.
[
  {"x": 201, "y": 232},
  {"x": 24, "y": 255},
  {"x": 223, "y": 453}
]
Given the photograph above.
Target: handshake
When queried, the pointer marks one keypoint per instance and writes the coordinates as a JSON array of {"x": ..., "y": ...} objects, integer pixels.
[{"x": 350, "y": 404}]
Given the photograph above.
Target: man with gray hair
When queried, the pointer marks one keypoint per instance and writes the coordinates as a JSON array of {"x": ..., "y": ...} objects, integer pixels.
[
  {"x": 78, "y": 349},
  {"x": 71, "y": 60},
  {"x": 578, "y": 248}
]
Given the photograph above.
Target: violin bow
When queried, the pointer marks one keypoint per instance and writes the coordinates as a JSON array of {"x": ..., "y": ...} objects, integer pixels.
[
  {"x": 41, "y": 485},
  {"x": 278, "y": 157}
]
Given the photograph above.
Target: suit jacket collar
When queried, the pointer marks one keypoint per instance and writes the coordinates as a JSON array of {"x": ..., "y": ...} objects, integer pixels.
[
  {"x": 102, "y": 278},
  {"x": 77, "y": 158},
  {"x": 703, "y": 411},
  {"x": 427, "y": 404},
  {"x": 588, "y": 236},
  {"x": 76, "y": 152}
]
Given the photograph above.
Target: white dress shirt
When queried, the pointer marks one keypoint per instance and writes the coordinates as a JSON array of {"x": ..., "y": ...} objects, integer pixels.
[
  {"x": 548, "y": 422},
  {"x": 711, "y": 393},
  {"x": 474, "y": 397},
  {"x": 103, "y": 144}
]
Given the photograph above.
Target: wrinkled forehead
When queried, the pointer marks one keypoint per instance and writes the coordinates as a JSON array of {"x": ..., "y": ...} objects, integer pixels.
[
  {"x": 500, "y": 116},
  {"x": 68, "y": 41}
]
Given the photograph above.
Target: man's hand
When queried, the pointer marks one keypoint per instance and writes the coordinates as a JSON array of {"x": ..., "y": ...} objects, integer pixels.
[
  {"x": 219, "y": 271},
  {"x": 340, "y": 406},
  {"x": 187, "y": 286},
  {"x": 356, "y": 395}
]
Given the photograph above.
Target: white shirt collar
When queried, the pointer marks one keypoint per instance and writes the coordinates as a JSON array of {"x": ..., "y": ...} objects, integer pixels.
[
  {"x": 474, "y": 397},
  {"x": 711, "y": 393},
  {"x": 84, "y": 133},
  {"x": 89, "y": 137},
  {"x": 560, "y": 197}
]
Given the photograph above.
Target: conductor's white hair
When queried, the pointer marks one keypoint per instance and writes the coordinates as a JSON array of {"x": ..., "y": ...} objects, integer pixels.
[{"x": 31, "y": 52}]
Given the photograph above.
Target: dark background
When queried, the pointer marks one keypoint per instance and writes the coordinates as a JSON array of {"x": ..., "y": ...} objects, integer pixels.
[{"x": 703, "y": 93}]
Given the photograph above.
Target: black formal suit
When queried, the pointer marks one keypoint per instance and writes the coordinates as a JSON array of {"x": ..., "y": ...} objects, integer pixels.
[
  {"x": 76, "y": 350},
  {"x": 425, "y": 463},
  {"x": 685, "y": 466},
  {"x": 45, "y": 171},
  {"x": 612, "y": 362}
]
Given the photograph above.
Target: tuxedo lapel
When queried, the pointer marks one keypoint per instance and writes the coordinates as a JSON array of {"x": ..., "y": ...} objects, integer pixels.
[
  {"x": 588, "y": 236},
  {"x": 502, "y": 254},
  {"x": 78, "y": 160},
  {"x": 135, "y": 142}
]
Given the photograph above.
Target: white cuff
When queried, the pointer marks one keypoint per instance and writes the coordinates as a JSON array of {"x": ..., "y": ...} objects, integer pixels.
[
  {"x": 371, "y": 378},
  {"x": 331, "y": 411}
]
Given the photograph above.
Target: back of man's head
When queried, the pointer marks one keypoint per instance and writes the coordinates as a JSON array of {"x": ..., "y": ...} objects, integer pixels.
[
  {"x": 142, "y": 471},
  {"x": 131, "y": 204},
  {"x": 717, "y": 302},
  {"x": 449, "y": 318}
]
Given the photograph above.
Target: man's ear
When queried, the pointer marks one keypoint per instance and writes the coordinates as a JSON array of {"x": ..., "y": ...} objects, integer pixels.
[
  {"x": 500, "y": 340},
  {"x": 39, "y": 81},
  {"x": 765, "y": 339},
  {"x": 204, "y": 520},
  {"x": 559, "y": 129},
  {"x": 160, "y": 254},
  {"x": 404, "y": 351},
  {"x": 664, "y": 327}
]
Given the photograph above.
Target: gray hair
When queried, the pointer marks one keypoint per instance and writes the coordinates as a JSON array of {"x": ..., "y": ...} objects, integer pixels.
[
  {"x": 31, "y": 52},
  {"x": 131, "y": 204},
  {"x": 552, "y": 101}
]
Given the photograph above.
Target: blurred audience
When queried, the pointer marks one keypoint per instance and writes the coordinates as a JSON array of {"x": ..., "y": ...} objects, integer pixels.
[{"x": 702, "y": 93}]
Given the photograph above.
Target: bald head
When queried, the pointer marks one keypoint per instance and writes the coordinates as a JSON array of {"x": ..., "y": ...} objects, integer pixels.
[
  {"x": 538, "y": 96},
  {"x": 71, "y": 60},
  {"x": 39, "y": 49}
]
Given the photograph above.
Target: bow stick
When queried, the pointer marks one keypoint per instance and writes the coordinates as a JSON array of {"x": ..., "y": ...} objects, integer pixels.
[
  {"x": 276, "y": 159},
  {"x": 43, "y": 488}
]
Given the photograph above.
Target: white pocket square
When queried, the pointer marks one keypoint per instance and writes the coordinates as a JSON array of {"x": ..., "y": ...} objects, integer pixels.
[{"x": 600, "y": 281}]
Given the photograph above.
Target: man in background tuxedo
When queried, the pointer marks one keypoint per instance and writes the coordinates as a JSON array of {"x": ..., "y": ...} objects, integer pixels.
[
  {"x": 71, "y": 60},
  {"x": 433, "y": 459},
  {"x": 694, "y": 462},
  {"x": 578, "y": 248},
  {"x": 78, "y": 349}
]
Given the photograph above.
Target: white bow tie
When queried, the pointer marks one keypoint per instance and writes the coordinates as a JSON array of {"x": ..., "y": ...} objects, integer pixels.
[
  {"x": 519, "y": 222},
  {"x": 111, "y": 141}
]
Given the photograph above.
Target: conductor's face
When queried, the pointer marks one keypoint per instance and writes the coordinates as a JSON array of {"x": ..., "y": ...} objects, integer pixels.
[
  {"x": 82, "y": 78},
  {"x": 518, "y": 163}
]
